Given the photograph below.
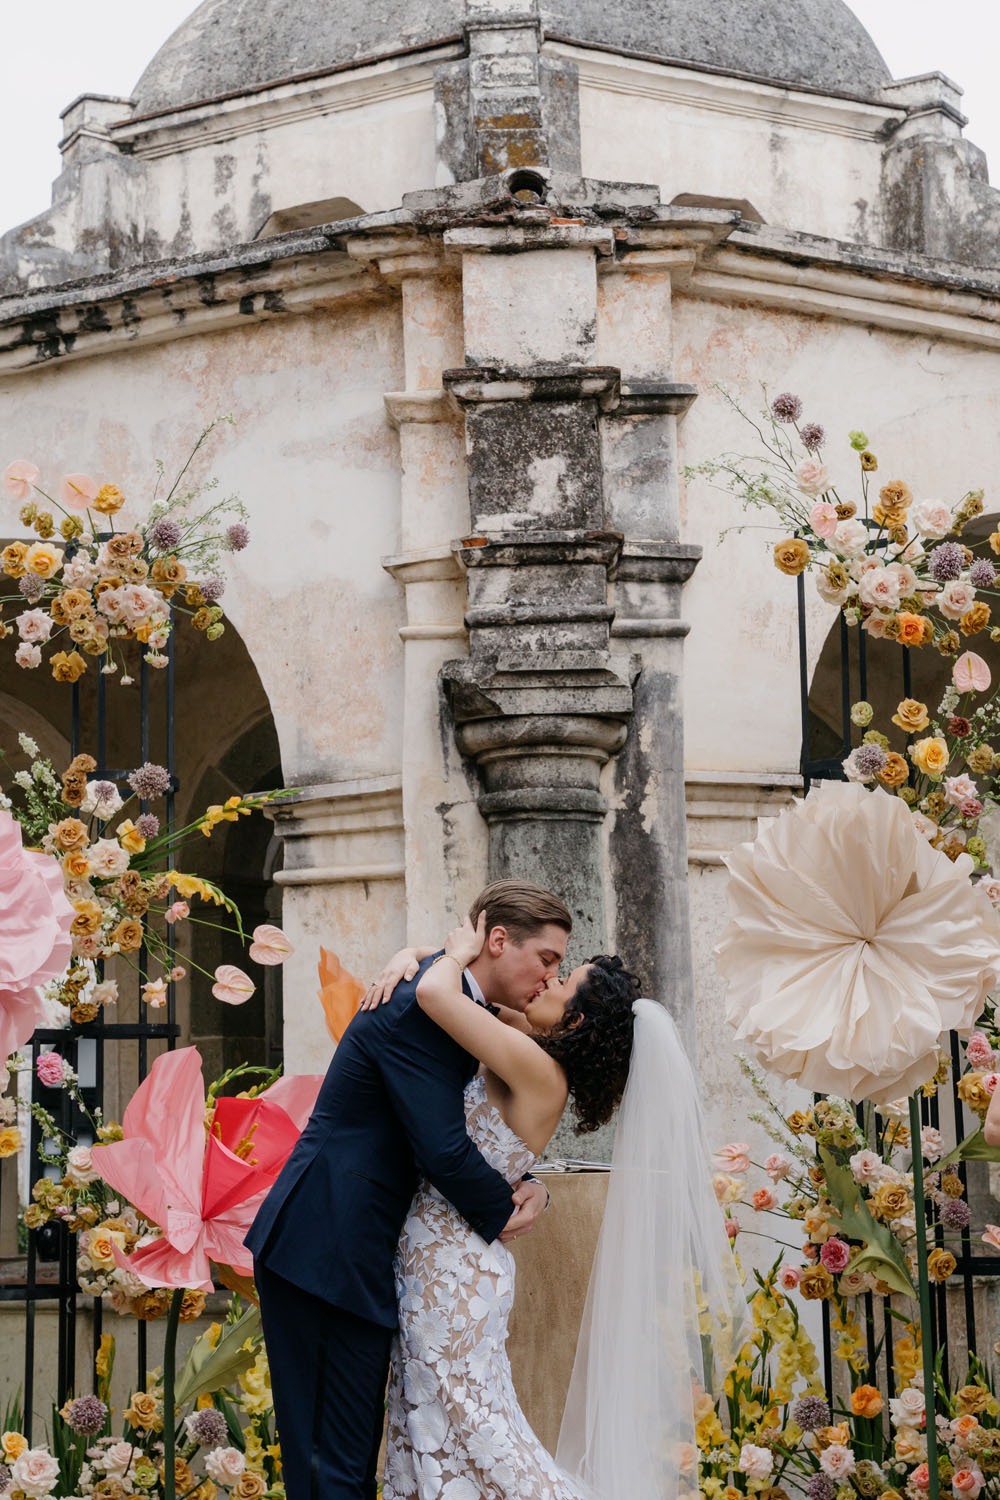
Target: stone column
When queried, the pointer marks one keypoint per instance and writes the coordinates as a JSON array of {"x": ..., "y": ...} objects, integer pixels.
[
  {"x": 647, "y": 845},
  {"x": 343, "y": 888},
  {"x": 541, "y": 703}
]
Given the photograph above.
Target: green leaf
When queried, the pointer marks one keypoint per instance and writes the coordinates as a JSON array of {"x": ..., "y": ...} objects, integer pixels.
[
  {"x": 882, "y": 1255},
  {"x": 973, "y": 1148},
  {"x": 207, "y": 1370}
]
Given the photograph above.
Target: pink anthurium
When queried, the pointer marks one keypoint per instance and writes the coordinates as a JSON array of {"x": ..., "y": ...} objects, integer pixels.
[
  {"x": 19, "y": 478},
  {"x": 270, "y": 945},
  {"x": 202, "y": 1192},
  {"x": 232, "y": 986},
  {"x": 77, "y": 491},
  {"x": 970, "y": 674}
]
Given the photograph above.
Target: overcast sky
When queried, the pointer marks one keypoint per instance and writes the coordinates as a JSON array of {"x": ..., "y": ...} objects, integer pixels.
[{"x": 66, "y": 47}]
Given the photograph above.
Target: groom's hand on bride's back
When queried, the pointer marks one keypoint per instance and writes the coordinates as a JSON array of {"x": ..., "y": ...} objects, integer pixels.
[{"x": 532, "y": 1199}]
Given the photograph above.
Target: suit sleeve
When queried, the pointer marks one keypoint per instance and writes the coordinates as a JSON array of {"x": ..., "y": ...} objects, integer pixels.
[{"x": 422, "y": 1072}]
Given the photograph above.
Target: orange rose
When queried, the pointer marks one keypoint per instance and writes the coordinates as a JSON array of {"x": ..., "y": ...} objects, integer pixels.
[
  {"x": 866, "y": 1401},
  {"x": 913, "y": 630},
  {"x": 87, "y": 919},
  {"x": 930, "y": 756},
  {"x": 75, "y": 865},
  {"x": 895, "y": 772}
]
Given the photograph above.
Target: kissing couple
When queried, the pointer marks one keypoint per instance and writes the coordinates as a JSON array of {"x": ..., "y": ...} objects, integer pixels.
[{"x": 384, "y": 1240}]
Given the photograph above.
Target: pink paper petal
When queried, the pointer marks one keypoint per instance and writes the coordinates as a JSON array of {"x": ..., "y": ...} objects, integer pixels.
[
  {"x": 130, "y": 1169},
  {"x": 19, "y": 478},
  {"x": 270, "y": 945},
  {"x": 297, "y": 1094},
  {"x": 167, "y": 1110},
  {"x": 77, "y": 491},
  {"x": 970, "y": 674},
  {"x": 232, "y": 986}
]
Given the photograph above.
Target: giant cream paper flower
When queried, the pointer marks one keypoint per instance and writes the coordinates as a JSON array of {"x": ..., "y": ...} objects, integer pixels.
[{"x": 853, "y": 945}]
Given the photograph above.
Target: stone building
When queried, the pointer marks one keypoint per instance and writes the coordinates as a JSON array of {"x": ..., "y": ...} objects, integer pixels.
[{"x": 465, "y": 273}]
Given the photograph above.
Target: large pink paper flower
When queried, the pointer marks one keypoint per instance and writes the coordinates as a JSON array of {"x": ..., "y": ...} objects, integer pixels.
[
  {"x": 203, "y": 1192},
  {"x": 35, "y": 944}
]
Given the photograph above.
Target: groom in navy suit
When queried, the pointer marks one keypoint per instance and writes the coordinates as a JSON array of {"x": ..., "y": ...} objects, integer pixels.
[{"x": 390, "y": 1112}]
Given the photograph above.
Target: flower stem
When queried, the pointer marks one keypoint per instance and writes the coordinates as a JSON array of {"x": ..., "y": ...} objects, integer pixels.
[
  {"x": 169, "y": 1415},
  {"x": 926, "y": 1326}
]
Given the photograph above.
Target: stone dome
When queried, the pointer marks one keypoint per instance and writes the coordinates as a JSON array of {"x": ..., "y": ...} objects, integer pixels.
[{"x": 228, "y": 46}]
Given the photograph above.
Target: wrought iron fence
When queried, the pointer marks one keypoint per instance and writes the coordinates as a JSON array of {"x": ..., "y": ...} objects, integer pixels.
[
  {"x": 49, "y": 1260},
  {"x": 858, "y": 668}
]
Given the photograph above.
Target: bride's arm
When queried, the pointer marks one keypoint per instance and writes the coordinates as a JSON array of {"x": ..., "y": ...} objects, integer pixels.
[
  {"x": 402, "y": 965},
  {"x": 506, "y": 1051}
]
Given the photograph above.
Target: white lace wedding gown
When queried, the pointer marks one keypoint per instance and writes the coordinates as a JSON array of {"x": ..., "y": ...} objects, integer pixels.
[{"x": 456, "y": 1431}]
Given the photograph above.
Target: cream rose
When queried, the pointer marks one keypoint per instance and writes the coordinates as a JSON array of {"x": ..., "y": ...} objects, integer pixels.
[
  {"x": 849, "y": 538},
  {"x": 225, "y": 1465},
  {"x": 837, "y": 1461},
  {"x": 907, "y": 1409},
  {"x": 879, "y": 588},
  {"x": 117, "y": 1459},
  {"x": 107, "y": 859},
  {"x": 35, "y": 1473},
  {"x": 33, "y": 625},
  {"x": 79, "y": 1165},
  {"x": 932, "y": 518},
  {"x": 812, "y": 477},
  {"x": 28, "y": 656},
  {"x": 955, "y": 598},
  {"x": 755, "y": 1463}
]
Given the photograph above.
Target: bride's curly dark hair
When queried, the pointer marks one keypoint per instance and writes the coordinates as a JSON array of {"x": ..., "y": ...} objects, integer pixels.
[{"x": 593, "y": 1042}]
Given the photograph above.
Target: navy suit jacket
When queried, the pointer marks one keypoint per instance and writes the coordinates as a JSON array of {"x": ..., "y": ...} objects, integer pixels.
[{"x": 390, "y": 1112}]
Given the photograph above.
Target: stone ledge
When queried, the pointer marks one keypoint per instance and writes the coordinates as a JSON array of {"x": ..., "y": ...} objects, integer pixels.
[{"x": 533, "y": 383}]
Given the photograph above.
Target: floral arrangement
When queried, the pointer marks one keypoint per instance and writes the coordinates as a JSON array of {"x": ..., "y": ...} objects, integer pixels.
[
  {"x": 895, "y": 565},
  {"x": 225, "y": 1428},
  {"x": 89, "y": 588},
  {"x": 117, "y": 863}
]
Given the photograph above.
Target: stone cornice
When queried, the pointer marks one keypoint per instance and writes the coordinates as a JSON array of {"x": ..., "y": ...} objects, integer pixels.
[{"x": 342, "y": 831}]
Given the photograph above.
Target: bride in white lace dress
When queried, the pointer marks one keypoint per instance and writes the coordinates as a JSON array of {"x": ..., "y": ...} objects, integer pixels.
[{"x": 456, "y": 1430}]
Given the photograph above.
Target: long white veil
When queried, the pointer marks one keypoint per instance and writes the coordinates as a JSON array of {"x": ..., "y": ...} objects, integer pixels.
[{"x": 666, "y": 1313}]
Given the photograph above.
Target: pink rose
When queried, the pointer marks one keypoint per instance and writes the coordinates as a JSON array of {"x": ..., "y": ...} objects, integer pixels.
[
  {"x": 28, "y": 656},
  {"x": 977, "y": 1049},
  {"x": 733, "y": 1158},
  {"x": 971, "y": 808},
  {"x": 225, "y": 1465},
  {"x": 990, "y": 887},
  {"x": 879, "y": 588},
  {"x": 959, "y": 789},
  {"x": 755, "y": 1462},
  {"x": 850, "y": 537},
  {"x": 835, "y": 1254},
  {"x": 967, "y": 1482},
  {"x": 49, "y": 1068},
  {"x": 177, "y": 912},
  {"x": 921, "y": 1477},
  {"x": 823, "y": 518},
  {"x": 79, "y": 1165},
  {"x": 990, "y": 1081},
  {"x": 812, "y": 477},
  {"x": 955, "y": 598},
  {"x": 35, "y": 1473},
  {"x": 33, "y": 625},
  {"x": 931, "y": 1143},
  {"x": 932, "y": 518},
  {"x": 789, "y": 1278},
  {"x": 837, "y": 1461},
  {"x": 764, "y": 1199},
  {"x": 777, "y": 1167},
  {"x": 733, "y": 1229}
]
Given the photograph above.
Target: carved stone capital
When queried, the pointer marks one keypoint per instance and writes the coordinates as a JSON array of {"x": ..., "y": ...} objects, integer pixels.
[{"x": 341, "y": 831}]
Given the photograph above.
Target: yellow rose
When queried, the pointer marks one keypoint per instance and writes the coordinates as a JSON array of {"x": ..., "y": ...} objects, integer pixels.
[
  {"x": 70, "y": 603},
  {"x": 249, "y": 1486},
  {"x": 75, "y": 865},
  {"x": 911, "y": 715},
  {"x": 909, "y": 1445},
  {"x": 791, "y": 556},
  {"x": 816, "y": 1284},
  {"x": 891, "y": 1201},
  {"x": 10, "y": 1140},
  {"x": 129, "y": 837},
  {"x": 972, "y": 1399},
  {"x": 930, "y": 756},
  {"x": 143, "y": 1412},
  {"x": 13, "y": 1445},
  {"x": 837, "y": 1436},
  {"x": 44, "y": 559},
  {"x": 975, "y": 619},
  {"x": 972, "y": 1093},
  {"x": 940, "y": 1264},
  {"x": 68, "y": 667},
  {"x": 108, "y": 499},
  {"x": 895, "y": 772},
  {"x": 100, "y": 1251},
  {"x": 12, "y": 559}
]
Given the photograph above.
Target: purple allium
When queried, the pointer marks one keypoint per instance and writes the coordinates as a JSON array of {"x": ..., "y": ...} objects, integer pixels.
[
  {"x": 212, "y": 588},
  {"x": 104, "y": 791},
  {"x": 955, "y": 1214},
  {"x": 946, "y": 562},
  {"x": 786, "y": 407},
  {"x": 982, "y": 574},
  {"x": 147, "y": 825},
  {"x": 164, "y": 534},
  {"x": 812, "y": 436},
  {"x": 87, "y": 1414},
  {"x": 207, "y": 1427},
  {"x": 821, "y": 1487},
  {"x": 31, "y": 587},
  {"x": 237, "y": 535},
  {"x": 149, "y": 781},
  {"x": 865, "y": 762},
  {"x": 811, "y": 1412}
]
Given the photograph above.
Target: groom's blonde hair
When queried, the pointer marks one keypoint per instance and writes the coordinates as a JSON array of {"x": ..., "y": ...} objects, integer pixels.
[{"x": 520, "y": 906}]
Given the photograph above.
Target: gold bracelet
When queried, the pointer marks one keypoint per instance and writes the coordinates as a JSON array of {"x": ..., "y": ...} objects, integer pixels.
[{"x": 461, "y": 967}]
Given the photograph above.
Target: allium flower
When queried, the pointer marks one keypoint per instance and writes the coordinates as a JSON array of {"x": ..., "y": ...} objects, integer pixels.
[
  {"x": 237, "y": 536},
  {"x": 31, "y": 587},
  {"x": 164, "y": 534},
  {"x": 956, "y": 1214},
  {"x": 87, "y": 1414},
  {"x": 946, "y": 562},
  {"x": 810, "y": 1412},
  {"x": 821, "y": 1487},
  {"x": 149, "y": 781},
  {"x": 812, "y": 436},
  {"x": 865, "y": 762},
  {"x": 982, "y": 573},
  {"x": 212, "y": 588},
  {"x": 207, "y": 1428},
  {"x": 101, "y": 798},
  {"x": 786, "y": 407},
  {"x": 147, "y": 825}
]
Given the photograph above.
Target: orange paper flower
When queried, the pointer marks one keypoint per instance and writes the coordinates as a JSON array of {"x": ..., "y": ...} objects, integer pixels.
[{"x": 340, "y": 993}]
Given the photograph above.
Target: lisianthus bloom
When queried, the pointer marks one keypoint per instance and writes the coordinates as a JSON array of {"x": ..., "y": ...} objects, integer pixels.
[
  {"x": 203, "y": 1194},
  {"x": 764, "y": 1200}
]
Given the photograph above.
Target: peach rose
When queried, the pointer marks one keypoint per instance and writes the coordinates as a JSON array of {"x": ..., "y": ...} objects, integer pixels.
[
  {"x": 812, "y": 477},
  {"x": 866, "y": 1401},
  {"x": 43, "y": 559},
  {"x": 911, "y": 715}
]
